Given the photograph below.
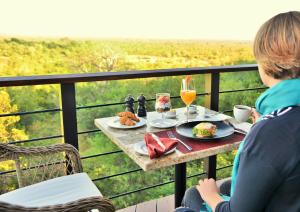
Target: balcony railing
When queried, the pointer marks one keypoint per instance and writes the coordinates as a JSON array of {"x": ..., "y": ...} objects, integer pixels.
[{"x": 68, "y": 105}]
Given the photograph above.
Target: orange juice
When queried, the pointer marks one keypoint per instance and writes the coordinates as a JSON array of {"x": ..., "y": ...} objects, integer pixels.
[{"x": 188, "y": 96}]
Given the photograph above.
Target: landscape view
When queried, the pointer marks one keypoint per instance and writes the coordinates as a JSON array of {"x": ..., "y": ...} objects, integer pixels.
[{"x": 37, "y": 56}]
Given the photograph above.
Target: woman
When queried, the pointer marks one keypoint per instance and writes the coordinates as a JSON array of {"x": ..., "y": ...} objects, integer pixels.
[{"x": 266, "y": 171}]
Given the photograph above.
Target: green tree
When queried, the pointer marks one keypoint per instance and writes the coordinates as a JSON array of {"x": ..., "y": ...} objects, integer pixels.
[{"x": 8, "y": 131}]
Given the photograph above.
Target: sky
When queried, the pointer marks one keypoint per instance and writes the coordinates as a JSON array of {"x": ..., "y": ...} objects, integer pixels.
[{"x": 146, "y": 19}]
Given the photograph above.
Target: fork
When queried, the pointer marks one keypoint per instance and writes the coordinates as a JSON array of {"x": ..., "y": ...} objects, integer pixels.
[{"x": 172, "y": 136}]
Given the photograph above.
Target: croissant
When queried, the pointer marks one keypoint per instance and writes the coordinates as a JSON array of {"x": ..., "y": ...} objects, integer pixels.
[
  {"x": 129, "y": 115},
  {"x": 129, "y": 122},
  {"x": 124, "y": 120}
]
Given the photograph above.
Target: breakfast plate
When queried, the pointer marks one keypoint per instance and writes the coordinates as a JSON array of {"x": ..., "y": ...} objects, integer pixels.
[
  {"x": 115, "y": 123},
  {"x": 141, "y": 148},
  {"x": 223, "y": 130}
]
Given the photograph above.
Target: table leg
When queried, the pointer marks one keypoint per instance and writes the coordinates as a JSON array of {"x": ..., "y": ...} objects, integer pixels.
[
  {"x": 212, "y": 167},
  {"x": 180, "y": 183}
]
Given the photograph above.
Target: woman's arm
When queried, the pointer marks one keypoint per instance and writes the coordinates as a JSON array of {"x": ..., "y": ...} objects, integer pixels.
[
  {"x": 257, "y": 176},
  {"x": 254, "y": 115},
  {"x": 209, "y": 192},
  {"x": 256, "y": 183}
]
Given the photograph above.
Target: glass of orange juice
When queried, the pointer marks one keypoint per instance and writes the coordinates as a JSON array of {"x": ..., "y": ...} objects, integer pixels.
[{"x": 188, "y": 93}]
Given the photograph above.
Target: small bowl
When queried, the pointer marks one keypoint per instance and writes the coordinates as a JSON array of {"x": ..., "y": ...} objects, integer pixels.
[
  {"x": 171, "y": 113},
  {"x": 192, "y": 109}
]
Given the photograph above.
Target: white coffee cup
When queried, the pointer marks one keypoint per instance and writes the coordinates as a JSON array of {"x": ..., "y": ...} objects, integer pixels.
[{"x": 241, "y": 112}]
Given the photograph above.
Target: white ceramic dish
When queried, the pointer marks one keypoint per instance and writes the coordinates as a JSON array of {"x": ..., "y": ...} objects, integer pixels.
[
  {"x": 163, "y": 123},
  {"x": 141, "y": 148},
  {"x": 171, "y": 116},
  {"x": 115, "y": 123}
]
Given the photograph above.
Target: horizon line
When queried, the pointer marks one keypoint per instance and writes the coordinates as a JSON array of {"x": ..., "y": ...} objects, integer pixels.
[{"x": 116, "y": 38}]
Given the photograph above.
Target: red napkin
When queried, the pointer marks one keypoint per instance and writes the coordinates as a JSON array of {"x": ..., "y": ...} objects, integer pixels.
[{"x": 154, "y": 149}]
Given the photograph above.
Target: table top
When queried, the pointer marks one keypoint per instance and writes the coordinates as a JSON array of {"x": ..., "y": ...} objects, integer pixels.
[{"x": 125, "y": 139}]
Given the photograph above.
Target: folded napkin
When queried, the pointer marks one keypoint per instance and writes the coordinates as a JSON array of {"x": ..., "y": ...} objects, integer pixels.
[{"x": 156, "y": 149}]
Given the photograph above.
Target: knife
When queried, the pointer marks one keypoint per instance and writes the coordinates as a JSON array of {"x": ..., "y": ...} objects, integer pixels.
[
  {"x": 156, "y": 138},
  {"x": 236, "y": 129},
  {"x": 241, "y": 132}
]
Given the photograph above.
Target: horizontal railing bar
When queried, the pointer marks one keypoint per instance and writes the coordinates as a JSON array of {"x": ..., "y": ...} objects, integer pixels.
[
  {"x": 7, "y": 172},
  {"x": 89, "y": 131},
  {"x": 149, "y": 187},
  {"x": 105, "y": 76},
  {"x": 195, "y": 175},
  {"x": 118, "y": 103},
  {"x": 101, "y": 105},
  {"x": 224, "y": 167},
  {"x": 115, "y": 175},
  {"x": 227, "y": 111},
  {"x": 101, "y": 154},
  {"x": 141, "y": 189},
  {"x": 231, "y": 110},
  {"x": 35, "y": 167},
  {"x": 35, "y": 139},
  {"x": 246, "y": 89},
  {"x": 121, "y": 103},
  {"x": 30, "y": 112}
]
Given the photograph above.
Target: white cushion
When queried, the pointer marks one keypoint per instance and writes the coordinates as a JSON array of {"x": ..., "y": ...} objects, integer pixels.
[{"x": 55, "y": 191}]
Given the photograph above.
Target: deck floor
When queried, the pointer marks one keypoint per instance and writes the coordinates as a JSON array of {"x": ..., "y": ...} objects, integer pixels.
[{"x": 164, "y": 204}]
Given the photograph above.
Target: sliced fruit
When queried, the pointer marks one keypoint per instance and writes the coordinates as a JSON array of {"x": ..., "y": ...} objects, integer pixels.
[{"x": 188, "y": 78}]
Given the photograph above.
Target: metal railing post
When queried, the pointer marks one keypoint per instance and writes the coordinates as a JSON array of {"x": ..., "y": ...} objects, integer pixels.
[
  {"x": 69, "y": 118},
  {"x": 212, "y": 86},
  {"x": 180, "y": 183}
]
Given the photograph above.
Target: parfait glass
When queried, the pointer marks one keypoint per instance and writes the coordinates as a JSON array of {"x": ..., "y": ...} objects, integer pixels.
[
  {"x": 162, "y": 104},
  {"x": 188, "y": 93}
]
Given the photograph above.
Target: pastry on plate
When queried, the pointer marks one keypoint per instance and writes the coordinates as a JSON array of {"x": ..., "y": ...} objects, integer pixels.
[
  {"x": 204, "y": 129},
  {"x": 129, "y": 115},
  {"x": 126, "y": 121}
]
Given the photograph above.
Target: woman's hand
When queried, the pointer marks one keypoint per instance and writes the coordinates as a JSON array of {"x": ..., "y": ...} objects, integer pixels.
[
  {"x": 209, "y": 192},
  {"x": 254, "y": 115}
]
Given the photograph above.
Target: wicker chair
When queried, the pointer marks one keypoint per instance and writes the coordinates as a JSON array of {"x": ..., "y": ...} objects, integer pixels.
[{"x": 47, "y": 169}]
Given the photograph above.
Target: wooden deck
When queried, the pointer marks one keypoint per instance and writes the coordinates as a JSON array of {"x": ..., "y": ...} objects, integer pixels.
[{"x": 165, "y": 204}]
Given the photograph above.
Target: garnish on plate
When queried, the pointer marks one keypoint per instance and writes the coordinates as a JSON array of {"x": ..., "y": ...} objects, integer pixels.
[
  {"x": 204, "y": 129},
  {"x": 188, "y": 78}
]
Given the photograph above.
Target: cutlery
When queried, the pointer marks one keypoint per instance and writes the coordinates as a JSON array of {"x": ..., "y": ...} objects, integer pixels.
[
  {"x": 238, "y": 130},
  {"x": 156, "y": 138},
  {"x": 172, "y": 136},
  {"x": 241, "y": 132}
]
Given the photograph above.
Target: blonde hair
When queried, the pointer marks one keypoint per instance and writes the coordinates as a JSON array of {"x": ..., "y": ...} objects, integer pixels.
[{"x": 277, "y": 46}]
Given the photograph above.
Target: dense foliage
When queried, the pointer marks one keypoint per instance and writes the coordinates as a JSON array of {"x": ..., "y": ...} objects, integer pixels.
[{"x": 19, "y": 57}]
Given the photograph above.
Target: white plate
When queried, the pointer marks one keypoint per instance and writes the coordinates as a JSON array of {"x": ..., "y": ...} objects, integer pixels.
[
  {"x": 163, "y": 123},
  {"x": 141, "y": 148},
  {"x": 115, "y": 123}
]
